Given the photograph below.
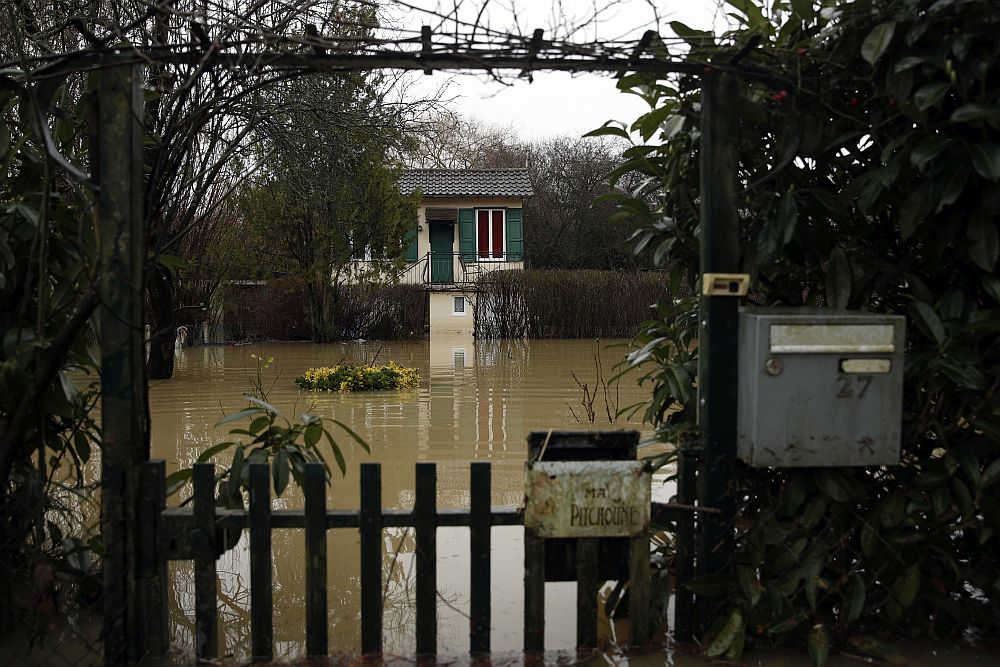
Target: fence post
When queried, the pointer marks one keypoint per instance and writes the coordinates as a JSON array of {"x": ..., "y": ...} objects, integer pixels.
[
  {"x": 534, "y": 591},
  {"x": 684, "y": 610},
  {"x": 586, "y": 592},
  {"x": 152, "y": 557},
  {"x": 480, "y": 530},
  {"x": 203, "y": 540},
  {"x": 370, "y": 526},
  {"x": 719, "y": 330},
  {"x": 314, "y": 489},
  {"x": 124, "y": 431},
  {"x": 261, "y": 591},
  {"x": 425, "y": 522}
]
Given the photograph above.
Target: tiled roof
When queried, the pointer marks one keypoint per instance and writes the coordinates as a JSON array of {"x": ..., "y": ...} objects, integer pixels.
[{"x": 467, "y": 182}]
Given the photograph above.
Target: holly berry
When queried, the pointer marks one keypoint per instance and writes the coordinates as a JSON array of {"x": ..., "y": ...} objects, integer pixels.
[
  {"x": 855, "y": 103},
  {"x": 892, "y": 103},
  {"x": 780, "y": 96},
  {"x": 801, "y": 51}
]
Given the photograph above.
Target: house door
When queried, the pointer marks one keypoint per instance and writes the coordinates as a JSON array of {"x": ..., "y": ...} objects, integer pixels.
[{"x": 442, "y": 252}]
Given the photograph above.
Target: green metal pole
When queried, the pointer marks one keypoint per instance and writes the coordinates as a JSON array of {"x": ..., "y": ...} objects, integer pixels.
[
  {"x": 124, "y": 430},
  {"x": 719, "y": 327}
]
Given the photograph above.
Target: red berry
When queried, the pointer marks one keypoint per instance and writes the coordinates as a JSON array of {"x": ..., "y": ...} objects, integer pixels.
[
  {"x": 892, "y": 103},
  {"x": 708, "y": 70},
  {"x": 801, "y": 51},
  {"x": 855, "y": 102}
]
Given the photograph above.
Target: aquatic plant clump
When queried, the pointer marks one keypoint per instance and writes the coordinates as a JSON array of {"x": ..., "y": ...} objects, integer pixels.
[{"x": 346, "y": 377}]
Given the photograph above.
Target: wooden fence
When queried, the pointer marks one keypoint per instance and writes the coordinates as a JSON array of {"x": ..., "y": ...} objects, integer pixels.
[{"x": 201, "y": 532}]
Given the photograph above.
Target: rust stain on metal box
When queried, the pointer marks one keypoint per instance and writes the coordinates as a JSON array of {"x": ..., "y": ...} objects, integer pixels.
[{"x": 587, "y": 498}]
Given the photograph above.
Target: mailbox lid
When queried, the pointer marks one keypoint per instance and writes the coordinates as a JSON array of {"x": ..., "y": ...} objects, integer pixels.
[{"x": 820, "y": 387}]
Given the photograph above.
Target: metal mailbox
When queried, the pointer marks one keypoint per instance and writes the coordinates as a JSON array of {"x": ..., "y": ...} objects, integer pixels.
[{"x": 820, "y": 387}]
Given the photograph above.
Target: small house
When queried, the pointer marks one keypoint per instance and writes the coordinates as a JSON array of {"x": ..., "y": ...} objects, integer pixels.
[{"x": 470, "y": 222}]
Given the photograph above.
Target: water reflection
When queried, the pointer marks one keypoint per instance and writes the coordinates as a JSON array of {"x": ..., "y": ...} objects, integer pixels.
[{"x": 477, "y": 401}]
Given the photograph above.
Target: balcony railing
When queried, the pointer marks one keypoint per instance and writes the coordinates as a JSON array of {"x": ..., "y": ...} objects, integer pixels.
[{"x": 452, "y": 268}]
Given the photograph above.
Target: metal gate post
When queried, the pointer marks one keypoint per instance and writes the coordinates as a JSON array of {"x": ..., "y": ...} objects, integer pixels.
[
  {"x": 124, "y": 428},
  {"x": 719, "y": 327}
]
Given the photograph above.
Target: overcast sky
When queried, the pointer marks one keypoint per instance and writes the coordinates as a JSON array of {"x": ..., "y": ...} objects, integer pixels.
[{"x": 557, "y": 103}]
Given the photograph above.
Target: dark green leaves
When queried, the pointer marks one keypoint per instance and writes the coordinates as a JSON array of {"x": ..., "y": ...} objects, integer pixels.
[
  {"x": 974, "y": 111},
  {"x": 726, "y": 635},
  {"x": 903, "y": 592},
  {"x": 914, "y": 211},
  {"x": 928, "y": 149},
  {"x": 696, "y": 38},
  {"x": 804, "y": 9},
  {"x": 928, "y": 321},
  {"x": 854, "y": 599},
  {"x": 838, "y": 280},
  {"x": 877, "y": 42},
  {"x": 818, "y": 645},
  {"x": 929, "y": 95},
  {"x": 609, "y": 129},
  {"x": 984, "y": 242},
  {"x": 986, "y": 160},
  {"x": 788, "y": 216},
  {"x": 279, "y": 471}
]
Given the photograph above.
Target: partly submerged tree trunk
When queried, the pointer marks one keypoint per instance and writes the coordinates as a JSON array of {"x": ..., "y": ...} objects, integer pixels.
[
  {"x": 322, "y": 302},
  {"x": 160, "y": 290}
]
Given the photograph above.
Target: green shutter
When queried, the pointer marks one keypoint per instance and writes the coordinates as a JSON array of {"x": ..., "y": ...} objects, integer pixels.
[
  {"x": 410, "y": 254},
  {"x": 467, "y": 234},
  {"x": 515, "y": 235}
]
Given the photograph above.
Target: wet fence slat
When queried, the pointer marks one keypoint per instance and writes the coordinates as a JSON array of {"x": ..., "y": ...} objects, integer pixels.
[
  {"x": 314, "y": 489},
  {"x": 534, "y": 591},
  {"x": 638, "y": 591},
  {"x": 479, "y": 562},
  {"x": 370, "y": 524},
  {"x": 203, "y": 540},
  {"x": 261, "y": 592},
  {"x": 194, "y": 533},
  {"x": 153, "y": 562},
  {"x": 425, "y": 522},
  {"x": 586, "y": 593}
]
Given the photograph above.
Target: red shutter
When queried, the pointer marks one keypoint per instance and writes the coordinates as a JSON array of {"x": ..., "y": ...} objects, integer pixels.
[
  {"x": 483, "y": 222},
  {"x": 498, "y": 234}
]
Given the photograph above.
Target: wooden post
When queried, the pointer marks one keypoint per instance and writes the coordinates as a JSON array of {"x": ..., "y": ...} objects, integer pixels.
[
  {"x": 719, "y": 330},
  {"x": 261, "y": 585},
  {"x": 586, "y": 592},
  {"x": 638, "y": 591},
  {"x": 480, "y": 530},
  {"x": 124, "y": 429},
  {"x": 203, "y": 539},
  {"x": 153, "y": 557},
  {"x": 534, "y": 591},
  {"x": 370, "y": 527},
  {"x": 425, "y": 522},
  {"x": 314, "y": 488}
]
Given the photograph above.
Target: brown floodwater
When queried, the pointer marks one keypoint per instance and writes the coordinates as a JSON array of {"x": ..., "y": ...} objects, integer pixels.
[{"x": 477, "y": 401}]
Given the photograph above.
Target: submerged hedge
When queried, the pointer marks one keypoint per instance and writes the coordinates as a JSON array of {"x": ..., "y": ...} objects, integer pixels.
[
  {"x": 567, "y": 304},
  {"x": 346, "y": 377}
]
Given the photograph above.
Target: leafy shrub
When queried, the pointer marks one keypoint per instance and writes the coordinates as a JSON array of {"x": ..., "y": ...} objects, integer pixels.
[
  {"x": 346, "y": 377},
  {"x": 277, "y": 310},
  {"x": 565, "y": 303},
  {"x": 877, "y": 127}
]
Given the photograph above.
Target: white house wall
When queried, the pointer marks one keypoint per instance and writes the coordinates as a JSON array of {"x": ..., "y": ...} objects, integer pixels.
[{"x": 418, "y": 273}]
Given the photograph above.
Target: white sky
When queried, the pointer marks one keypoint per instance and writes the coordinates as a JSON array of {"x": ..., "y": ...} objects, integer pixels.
[{"x": 557, "y": 103}]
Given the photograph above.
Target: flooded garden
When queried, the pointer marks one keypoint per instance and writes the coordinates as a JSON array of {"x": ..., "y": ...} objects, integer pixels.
[{"x": 477, "y": 401}]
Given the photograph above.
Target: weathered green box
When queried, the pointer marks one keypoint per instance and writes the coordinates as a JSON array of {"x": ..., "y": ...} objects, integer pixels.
[{"x": 819, "y": 387}]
